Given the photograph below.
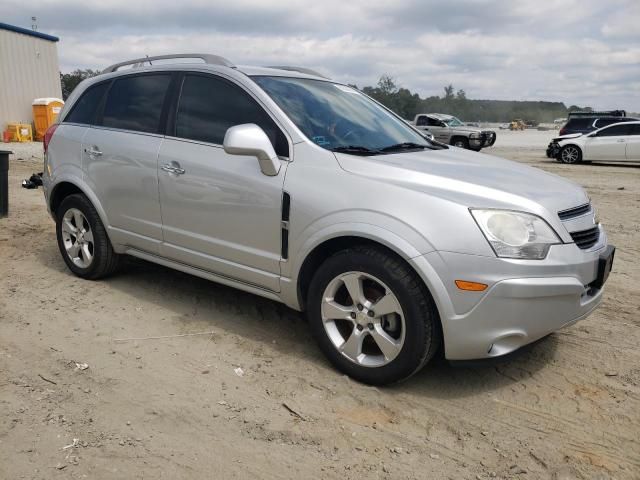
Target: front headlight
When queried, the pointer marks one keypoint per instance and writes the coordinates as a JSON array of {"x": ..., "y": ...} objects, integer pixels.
[{"x": 516, "y": 234}]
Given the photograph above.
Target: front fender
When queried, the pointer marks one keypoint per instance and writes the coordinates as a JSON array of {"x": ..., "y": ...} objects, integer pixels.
[{"x": 394, "y": 235}]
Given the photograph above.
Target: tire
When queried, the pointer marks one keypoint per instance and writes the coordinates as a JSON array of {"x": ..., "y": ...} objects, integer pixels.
[
  {"x": 460, "y": 142},
  {"x": 82, "y": 239},
  {"x": 570, "y": 154},
  {"x": 411, "y": 335}
]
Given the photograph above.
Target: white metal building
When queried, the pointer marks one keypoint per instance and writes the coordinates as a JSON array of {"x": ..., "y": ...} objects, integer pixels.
[{"x": 28, "y": 70}]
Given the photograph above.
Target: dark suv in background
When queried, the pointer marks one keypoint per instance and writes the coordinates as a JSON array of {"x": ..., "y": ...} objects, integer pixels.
[{"x": 586, "y": 122}]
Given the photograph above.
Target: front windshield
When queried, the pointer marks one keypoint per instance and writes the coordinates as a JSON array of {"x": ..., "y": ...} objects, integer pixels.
[
  {"x": 339, "y": 118},
  {"x": 454, "y": 122}
]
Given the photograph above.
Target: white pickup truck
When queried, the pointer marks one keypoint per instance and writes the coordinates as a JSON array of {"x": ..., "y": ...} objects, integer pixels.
[{"x": 448, "y": 129}]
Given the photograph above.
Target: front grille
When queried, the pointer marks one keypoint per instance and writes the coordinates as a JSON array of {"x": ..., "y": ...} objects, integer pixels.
[
  {"x": 574, "y": 212},
  {"x": 586, "y": 238}
]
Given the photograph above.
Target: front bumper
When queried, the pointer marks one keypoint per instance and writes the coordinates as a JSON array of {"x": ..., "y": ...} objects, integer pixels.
[
  {"x": 486, "y": 139},
  {"x": 526, "y": 299},
  {"x": 553, "y": 149}
]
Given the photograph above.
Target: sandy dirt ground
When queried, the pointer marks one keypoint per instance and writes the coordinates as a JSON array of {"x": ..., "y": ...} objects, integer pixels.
[{"x": 252, "y": 396}]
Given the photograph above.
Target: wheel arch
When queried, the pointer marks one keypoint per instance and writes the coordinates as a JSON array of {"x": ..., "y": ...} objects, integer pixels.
[
  {"x": 69, "y": 186},
  {"x": 329, "y": 246}
]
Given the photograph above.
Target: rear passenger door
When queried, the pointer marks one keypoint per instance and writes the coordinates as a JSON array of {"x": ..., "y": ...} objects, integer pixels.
[
  {"x": 220, "y": 212},
  {"x": 120, "y": 155},
  {"x": 633, "y": 144}
]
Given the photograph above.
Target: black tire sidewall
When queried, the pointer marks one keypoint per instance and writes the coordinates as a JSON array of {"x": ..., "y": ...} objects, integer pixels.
[
  {"x": 99, "y": 240},
  {"x": 417, "y": 334}
]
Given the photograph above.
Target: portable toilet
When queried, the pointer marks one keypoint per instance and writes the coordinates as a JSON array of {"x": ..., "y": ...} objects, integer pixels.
[{"x": 45, "y": 112}]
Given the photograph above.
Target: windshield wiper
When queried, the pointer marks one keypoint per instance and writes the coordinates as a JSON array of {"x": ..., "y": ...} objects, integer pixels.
[
  {"x": 398, "y": 147},
  {"x": 355, "y": 150}
]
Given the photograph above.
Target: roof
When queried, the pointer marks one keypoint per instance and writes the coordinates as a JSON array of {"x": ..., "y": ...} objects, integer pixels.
[
  {"x": 26, "y": 31},
  {"x": 440, "y": 116}
]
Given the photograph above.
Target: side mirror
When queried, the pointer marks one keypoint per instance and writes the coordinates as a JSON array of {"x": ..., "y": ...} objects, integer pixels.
[{"x": 250, "y": 139}]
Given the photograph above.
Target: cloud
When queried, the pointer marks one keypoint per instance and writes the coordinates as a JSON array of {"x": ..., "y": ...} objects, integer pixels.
[{"x": 584, "y": 52}]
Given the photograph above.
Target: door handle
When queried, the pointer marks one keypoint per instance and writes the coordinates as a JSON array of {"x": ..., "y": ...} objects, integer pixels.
[
  {"x": 621, "y": 140},
  {"x": 173, "y": 167},
  {"x": 93, "y": 151}
]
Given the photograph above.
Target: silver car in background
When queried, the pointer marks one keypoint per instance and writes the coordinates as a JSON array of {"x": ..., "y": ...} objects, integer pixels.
[{"x": 291, "y": 186}]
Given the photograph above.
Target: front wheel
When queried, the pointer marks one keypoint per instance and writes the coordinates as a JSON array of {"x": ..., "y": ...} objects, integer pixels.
[
  {"x": 460, "y": 142},
  {"x": 372, "y": 316},
  {"x": 570, "y": 154}
]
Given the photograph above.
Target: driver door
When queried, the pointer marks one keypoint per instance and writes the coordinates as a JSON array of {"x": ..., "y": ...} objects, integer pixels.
[
  {"x": 220, "y": 213},
  {"x": 439, "y": 129},
  {"x": 608, "y": 144}
]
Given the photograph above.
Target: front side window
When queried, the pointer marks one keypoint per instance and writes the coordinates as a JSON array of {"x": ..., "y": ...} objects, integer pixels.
[
  {"x": 434, "y": 122},
  {"x": 209, "y": 106},
  {"x": 337, "y": 117},
  {"x": 85, "y": 109},
  {"x": 616, "y": 130},
  {"x": 135, "y": 102}
]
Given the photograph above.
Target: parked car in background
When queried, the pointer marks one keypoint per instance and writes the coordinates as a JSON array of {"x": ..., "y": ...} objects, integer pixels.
[
  {"x": 585, "y": 122},
  {"x": 286, "y": 184},
  {"x": 619, "y": 142},
  {"x": 451, "y": 131}
]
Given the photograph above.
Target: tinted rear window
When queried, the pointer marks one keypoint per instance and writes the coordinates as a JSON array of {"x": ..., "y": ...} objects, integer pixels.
[
  {"x": 135, "y": 103},
  {"x": 579, "y": 123},
  {"x": 209, "y": 106},
  {"x": 85, "y": 109}
]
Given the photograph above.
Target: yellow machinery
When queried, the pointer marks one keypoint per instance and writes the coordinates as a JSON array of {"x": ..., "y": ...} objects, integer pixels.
[{"x": 517, "y": 124}]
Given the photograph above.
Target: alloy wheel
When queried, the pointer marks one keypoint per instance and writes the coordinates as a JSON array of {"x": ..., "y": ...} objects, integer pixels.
[
  {"x": 77, "y": 238},
  {"x": 363, "y": 319},
  {"x": 570, "y": 154}
]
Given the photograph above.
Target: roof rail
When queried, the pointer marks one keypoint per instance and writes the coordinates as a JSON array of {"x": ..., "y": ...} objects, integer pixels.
[
  {"x": 207, "y": 58},
  {"x": 606, "y": 113},
  {"x": 305, "y": 70}
]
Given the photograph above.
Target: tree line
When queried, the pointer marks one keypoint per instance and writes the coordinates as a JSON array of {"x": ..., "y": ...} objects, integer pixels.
[{"x": 408, "y": 104}]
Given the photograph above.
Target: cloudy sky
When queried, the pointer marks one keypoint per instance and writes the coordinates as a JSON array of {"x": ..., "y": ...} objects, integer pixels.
[{"x": 584, "y": 52}]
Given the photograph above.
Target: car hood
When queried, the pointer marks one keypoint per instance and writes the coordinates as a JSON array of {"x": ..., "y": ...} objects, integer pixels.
[
  {"x": 568, "y": 136},
  {"x": 468, "y": 129},
  {"x": 470, "y": 178}
]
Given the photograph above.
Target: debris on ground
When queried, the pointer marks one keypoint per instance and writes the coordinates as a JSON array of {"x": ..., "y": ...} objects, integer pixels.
[
  {"x": 34, "y": 181},
  {"x": 47, "y": 380}
]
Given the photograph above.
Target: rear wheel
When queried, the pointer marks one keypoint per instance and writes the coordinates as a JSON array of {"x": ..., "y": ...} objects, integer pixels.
[
  {"x": 372, "y": 316},
  {"x": 570, "y": 154},
  {"x": 82, "y": 239}
]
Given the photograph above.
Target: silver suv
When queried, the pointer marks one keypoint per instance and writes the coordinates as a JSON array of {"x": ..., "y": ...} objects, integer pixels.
[{"x": 286, "y": 184}]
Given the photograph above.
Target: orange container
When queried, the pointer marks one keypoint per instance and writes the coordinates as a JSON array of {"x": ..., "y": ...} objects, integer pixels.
[{"x": 45, "y": 113}]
